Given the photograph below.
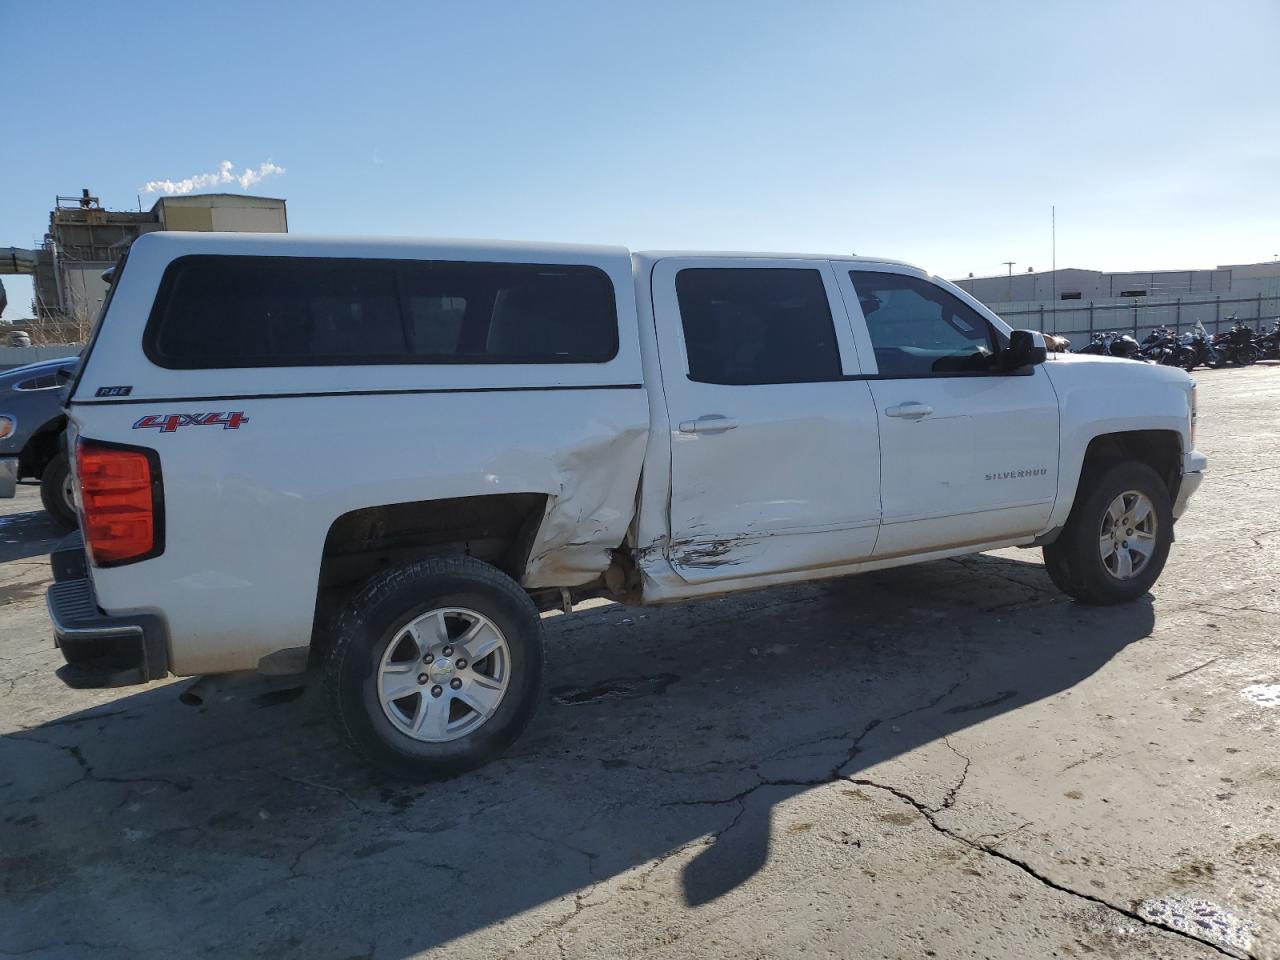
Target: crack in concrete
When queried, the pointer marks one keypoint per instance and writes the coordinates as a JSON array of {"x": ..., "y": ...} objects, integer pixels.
[
  {"x": 949, "y": 800},
  {"x": 1187, "y": 673},
  {"x": 62, "y": 944},
  {"x": 981, "y": 567},
  {"x": 555, "y": 927},
  {"x": 86, "y": 768},
  {"x": 303, "y": 781},
  {"x": 928, "y": 812},
  {"x": 81, "y": 719},
  {"x": 930, "y": 815},
  {"x": 296, "y": 863},
  {"x": 836, "y": 772}
]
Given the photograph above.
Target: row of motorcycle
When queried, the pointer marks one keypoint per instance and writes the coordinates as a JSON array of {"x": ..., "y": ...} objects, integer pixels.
[{"x": 1241, "y": 346}]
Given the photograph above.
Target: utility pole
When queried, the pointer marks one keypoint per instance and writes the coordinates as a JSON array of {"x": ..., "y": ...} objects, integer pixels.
[{"x": 1009, "y": 264}]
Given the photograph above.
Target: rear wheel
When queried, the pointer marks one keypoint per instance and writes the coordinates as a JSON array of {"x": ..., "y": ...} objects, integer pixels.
[
  {"x": 435, "y": 668},
  {"x": 1116, "y": 539},
  {"x": 57, "y": 492}
]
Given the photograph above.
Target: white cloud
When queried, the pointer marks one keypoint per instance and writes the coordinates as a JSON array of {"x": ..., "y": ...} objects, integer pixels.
[{"x": 225, "y": 174}]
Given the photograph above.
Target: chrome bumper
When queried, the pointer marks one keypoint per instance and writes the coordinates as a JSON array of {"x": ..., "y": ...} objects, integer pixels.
[
  {"x": 1194, "y": 466},
  {"x": 8, "y": 477}
]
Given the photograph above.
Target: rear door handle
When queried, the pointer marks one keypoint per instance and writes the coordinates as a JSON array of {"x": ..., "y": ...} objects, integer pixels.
[
  {"x": 909, "y": 411},
  {"x": 711, "y": 423}
]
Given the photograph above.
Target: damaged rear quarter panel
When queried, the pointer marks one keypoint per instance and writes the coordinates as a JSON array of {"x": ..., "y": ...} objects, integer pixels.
[
  {"x": 591, "y": 504},
  {"x": 243, "y": 586}
]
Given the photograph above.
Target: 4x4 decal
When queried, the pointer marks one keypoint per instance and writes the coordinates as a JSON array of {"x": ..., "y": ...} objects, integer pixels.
[{"x": 170, "y": 422}]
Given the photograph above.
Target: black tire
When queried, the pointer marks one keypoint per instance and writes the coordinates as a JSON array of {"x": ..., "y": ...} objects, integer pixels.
[
  {"x": 53, "y": 485},
  {"x": 1074, "y": 562},
  {"x": 1246, "y": 356},
  {"x": 375, "y": 618}
]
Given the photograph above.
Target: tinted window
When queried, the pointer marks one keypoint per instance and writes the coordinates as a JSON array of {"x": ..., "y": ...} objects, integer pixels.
[
  {"x": 757, "y": 326},
  {"x": 215, "y": 311},
  {"x": 919, "y": 329},
  {"x": 43, "y": 381}
]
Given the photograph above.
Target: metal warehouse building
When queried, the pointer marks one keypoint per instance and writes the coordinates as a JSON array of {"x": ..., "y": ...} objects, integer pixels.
[{"x": 1078, "y": 302}]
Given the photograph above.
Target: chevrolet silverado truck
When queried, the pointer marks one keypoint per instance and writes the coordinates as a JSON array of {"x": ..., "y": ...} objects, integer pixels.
[{"x": 381, "y": 459}]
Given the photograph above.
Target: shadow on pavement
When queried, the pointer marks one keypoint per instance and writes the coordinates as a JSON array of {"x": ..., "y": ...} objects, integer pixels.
[
  {"x": 24, "y": 535},
  {"x": 241, "y": 825}
]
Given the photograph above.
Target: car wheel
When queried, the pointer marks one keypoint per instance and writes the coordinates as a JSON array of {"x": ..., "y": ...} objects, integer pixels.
[
  {"x": 435, "y": 667},
  {"x": 57, "y": 492},
  {"x": 1117, "y": 537}
]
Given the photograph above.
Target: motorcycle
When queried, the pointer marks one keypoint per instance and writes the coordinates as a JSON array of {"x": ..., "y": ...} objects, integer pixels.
[
  {"x": 1160, "y": 346},
  {"x": 1237, "y": 344},
  {"x": 1268, "y": 344},
  {"x": 1112, "y": 345},
  {"x": 1198, "y": 351}
]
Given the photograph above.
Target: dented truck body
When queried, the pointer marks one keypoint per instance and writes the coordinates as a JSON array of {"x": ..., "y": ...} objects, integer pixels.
[{"x": 730, "y": 423}]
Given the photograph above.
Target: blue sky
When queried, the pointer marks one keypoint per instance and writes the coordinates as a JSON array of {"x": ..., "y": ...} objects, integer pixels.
[{"x": 939, "y": 133}]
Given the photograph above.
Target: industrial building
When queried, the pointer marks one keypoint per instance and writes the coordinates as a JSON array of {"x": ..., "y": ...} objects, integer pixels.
[
  {"x": 84, "y": 239},
  {"x": 1079, "y": 302}
]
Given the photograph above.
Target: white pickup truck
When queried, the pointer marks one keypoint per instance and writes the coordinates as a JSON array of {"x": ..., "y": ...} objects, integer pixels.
[{"x": 381, "y": 458}]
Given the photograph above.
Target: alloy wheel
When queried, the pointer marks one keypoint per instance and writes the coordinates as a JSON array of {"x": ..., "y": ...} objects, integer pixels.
[
  {"x": 443, "y": 674},
  {"x": 1127, "y": 538}
]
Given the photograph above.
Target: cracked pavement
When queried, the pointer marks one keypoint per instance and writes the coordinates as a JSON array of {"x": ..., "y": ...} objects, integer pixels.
[{"x": 948, "y": 760}]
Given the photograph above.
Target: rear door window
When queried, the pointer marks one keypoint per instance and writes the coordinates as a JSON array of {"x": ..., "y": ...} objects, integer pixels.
[
  {"x": 233, "y": 311},
  {"x": 755, "y": 325}
]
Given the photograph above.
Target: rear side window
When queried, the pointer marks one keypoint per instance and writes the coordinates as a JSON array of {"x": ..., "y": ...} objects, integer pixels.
[
  {"x": 757, "y": 325},
  {"x": 228, "y": 311}
]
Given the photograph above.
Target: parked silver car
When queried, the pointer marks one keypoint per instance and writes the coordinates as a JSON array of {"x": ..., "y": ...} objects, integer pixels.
[{"x": 32, "y": 441}]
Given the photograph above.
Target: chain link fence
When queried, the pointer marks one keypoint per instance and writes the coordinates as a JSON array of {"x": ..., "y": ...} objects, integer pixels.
[{"x": 1078, "y": 321}]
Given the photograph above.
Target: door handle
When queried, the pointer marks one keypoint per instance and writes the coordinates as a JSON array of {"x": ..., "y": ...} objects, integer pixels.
[
  {"x": 711, "y": 423},
  {"x": 909, "y": 411}
]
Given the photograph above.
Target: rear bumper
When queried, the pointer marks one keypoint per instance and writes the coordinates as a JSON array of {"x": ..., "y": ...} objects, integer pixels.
[
  {"x": 100, "y": 650},
  {"x": 8, "y": 477},
  {"x": 1194, "y": 465}
]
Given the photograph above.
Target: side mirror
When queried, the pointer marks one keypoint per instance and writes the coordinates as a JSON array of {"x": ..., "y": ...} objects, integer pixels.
[{"x": 1026, "y": 349}]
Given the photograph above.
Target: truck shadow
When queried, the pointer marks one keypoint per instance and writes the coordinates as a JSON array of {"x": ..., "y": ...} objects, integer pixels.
[{"x": 668, "y": 739}]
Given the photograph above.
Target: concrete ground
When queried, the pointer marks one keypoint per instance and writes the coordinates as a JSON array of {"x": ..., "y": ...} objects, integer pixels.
[{"x": 950, "y": 760}]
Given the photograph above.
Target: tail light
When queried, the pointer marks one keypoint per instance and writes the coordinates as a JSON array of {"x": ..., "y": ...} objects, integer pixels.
[{"x": 121, "y": 502}]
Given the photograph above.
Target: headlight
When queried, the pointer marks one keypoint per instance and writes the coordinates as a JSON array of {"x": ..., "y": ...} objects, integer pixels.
[
  {"x": 1191, "y": 430},
  {"x": 8, "y": 425}
]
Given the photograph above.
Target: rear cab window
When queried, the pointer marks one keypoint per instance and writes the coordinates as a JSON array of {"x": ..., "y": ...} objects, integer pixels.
[{"x": 227, "y": 311}]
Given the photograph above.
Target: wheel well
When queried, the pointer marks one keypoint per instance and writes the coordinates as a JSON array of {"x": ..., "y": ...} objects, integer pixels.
[
  {"x": 1159, "y": 449},
  {"x": 498, "y": 529},
  {"x": 41, "y": 447}
]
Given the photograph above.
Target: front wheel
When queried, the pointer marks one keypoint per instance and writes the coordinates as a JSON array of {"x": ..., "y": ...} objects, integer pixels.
[
  {"x": 1116, "y": 539},
  {"x": 1247, "y": 355},
  {"x": 57, "y": 493},
  {"x": 435, "y": 668}
]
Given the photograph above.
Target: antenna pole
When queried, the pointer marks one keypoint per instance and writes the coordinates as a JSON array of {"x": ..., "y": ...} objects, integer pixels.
[{"x": 1053, "y": 232}]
